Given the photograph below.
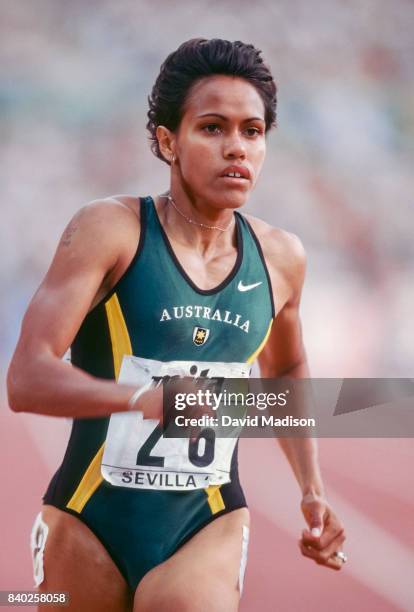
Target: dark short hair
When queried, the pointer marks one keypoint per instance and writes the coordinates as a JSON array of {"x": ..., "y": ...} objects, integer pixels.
[{"x": 198, "y": 58}]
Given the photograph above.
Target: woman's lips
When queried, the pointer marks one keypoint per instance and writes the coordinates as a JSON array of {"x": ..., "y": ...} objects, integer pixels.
[
  {"x": 240, "y": 170},
  {"x": 232, "y": 180}
]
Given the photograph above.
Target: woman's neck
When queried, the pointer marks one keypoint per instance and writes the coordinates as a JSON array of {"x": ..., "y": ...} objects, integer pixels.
[{"x": 185, "y": 224}]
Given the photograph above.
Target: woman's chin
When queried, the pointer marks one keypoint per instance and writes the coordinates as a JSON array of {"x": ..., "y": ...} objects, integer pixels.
[
  {"x": 236, "y": 201},
  {"x": 230, "y": 198}
]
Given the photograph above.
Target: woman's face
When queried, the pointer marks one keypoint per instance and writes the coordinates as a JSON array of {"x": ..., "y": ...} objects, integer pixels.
[{"x": 223, "y": 125}]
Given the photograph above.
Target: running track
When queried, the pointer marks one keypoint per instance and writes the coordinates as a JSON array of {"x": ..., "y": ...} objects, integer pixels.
[{"x": 369, "y": 482}]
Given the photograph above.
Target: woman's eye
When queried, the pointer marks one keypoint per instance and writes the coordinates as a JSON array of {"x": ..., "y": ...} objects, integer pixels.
[
  {"x": 214, "y": 128},
  {"x": 211, "y": 128},
  {"x": 253, "y": 131}
]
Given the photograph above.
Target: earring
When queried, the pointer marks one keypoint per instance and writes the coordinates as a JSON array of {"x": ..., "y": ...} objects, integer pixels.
[{"x": 173, "y": 158}]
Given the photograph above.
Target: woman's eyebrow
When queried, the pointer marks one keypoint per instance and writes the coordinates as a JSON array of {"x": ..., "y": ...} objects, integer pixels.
[{"x": 226, "y": 118}]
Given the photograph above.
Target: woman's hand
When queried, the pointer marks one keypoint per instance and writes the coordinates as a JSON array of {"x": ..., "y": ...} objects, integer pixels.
[
  {"x": 149, "y": 400},
  {"x": 325, "y": 535}
]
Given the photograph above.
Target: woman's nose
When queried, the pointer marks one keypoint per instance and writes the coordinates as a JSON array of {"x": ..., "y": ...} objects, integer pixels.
[{"x": 234, "y": 147}]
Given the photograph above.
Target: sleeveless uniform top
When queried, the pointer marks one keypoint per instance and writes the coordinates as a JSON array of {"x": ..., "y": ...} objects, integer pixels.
[{"x": 157, "y": 312}]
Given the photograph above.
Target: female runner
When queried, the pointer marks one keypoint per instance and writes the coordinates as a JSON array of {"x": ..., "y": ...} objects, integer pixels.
[{"x": 179, "y": 282}]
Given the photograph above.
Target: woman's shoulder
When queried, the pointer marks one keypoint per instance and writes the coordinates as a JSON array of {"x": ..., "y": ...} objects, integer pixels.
[
  {"x": 123, "y": 207},
  {"x": 112, "y": 222},
  {"x": 276, "y": 242},
  {"x": 284, "y": 254},
  {"x": 110, "y": 219}
]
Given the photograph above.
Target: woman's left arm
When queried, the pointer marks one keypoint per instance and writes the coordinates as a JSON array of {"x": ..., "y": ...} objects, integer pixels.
[{"x": 284, "y": 355}]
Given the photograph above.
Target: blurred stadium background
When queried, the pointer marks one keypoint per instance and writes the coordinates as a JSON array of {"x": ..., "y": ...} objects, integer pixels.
[{"x": 74, "y": 81}]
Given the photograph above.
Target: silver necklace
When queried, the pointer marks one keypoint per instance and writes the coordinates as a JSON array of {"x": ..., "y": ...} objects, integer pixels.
[{"x": 210, "y": 227}]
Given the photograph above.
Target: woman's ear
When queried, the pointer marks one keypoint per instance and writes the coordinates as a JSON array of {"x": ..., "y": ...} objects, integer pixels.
[{"x": 166, "y": 142}]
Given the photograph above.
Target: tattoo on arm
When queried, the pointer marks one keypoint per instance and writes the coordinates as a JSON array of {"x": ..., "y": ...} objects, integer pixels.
[{"x": 67, "y": 236}]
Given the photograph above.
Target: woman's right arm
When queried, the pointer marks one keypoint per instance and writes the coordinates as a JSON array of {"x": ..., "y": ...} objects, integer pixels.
[{"x": 94, "y": 248}]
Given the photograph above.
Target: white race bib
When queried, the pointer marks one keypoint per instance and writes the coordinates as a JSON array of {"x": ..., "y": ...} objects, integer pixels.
[{"x": 136, "y": 453}]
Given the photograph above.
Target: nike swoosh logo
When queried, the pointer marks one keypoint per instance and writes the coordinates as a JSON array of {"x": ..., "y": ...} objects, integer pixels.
[{"x": 242, "y": 287}]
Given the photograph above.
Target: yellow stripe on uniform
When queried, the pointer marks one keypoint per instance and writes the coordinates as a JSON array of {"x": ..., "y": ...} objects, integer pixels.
[
  {"x": 121, "y": 345},
  {"x": 91, "y": 480},
  {"x": 215, "y": 500},
  {"x": 261, "y": 345}
]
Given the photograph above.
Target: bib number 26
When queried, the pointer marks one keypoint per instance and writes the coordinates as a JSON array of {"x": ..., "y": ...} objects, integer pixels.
[{"x": 200, "y": 449}]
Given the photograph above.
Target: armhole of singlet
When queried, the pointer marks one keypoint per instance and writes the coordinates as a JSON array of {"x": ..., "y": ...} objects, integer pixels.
[
  {"x": 140, "y": 246},
  {"x": 266, "y": 269}
]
